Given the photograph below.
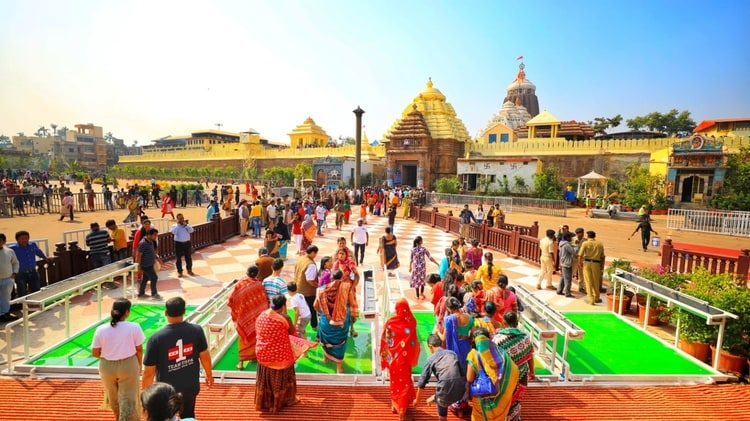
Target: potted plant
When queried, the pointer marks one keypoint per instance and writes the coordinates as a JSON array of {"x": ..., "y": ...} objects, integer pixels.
[
  {"x": 612, "y": 296},
  {"x": 736, "y": 346},
  {"x": 695, "y": 335},
  {"x": 658, "y": 312}
]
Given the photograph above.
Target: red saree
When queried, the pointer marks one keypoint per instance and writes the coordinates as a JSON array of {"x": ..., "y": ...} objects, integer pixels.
[
  {"x": 399, "y": 352},
  {"x": 248, "y": 300}
]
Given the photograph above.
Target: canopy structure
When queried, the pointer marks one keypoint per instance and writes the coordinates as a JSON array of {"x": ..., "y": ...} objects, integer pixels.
[{"x": 592, "y": 184}]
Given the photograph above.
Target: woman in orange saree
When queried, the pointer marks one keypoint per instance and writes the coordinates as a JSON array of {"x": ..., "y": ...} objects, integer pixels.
[
  {"x": 277, "y": 350},
  {"x": 248, "y": 300},
  {"x": 309, "y": 228},
  {"x": 399, "y": 353}
]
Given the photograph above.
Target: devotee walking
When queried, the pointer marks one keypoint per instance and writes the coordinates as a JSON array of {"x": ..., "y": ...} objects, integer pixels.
[
  {"x": 160, "y": 362},
  {"x": 336, "y": 305},
  {"x": 119, "y": 347},
  {"x": 517, "y": 344},
  {"x": 278, "y": 349},
  {"x": 182, "y": 246},
  {"x": 451, "y": 381},
  {"x": 496, "y": 363},
  {"x": 248, "y": 300},
  {"x": 418, "y": 267},
  {"x": 399, "y": 353}
]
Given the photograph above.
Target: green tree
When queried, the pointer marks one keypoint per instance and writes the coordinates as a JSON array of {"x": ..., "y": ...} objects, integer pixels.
[
  {"x": 601, "y": 124},
  {"x": 548, "y": 184},
  {"x": 280, "y": 175},
  {"x": 74, "y": 167},
  {"x": 641, "y": 188},
  {"x": 449, "y": 185},
  {"x": 671, "y": 122},
  {"x": 519, "y": 185},
  {"x": 4, "y": 141},
  {"x": 735, "y": 194},
  {"x": 302, "y": 171}
]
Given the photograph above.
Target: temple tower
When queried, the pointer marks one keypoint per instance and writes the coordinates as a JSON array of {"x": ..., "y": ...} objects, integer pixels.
[
  {"x": 522, "y": 92},
  {"x": 426, "y": 142}
]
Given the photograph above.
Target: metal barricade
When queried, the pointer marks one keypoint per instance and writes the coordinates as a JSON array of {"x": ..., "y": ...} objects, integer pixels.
[
  {"x": 508, "y": 204},
  {"x": 161, "y": 224},
  {"x": 42, "y": 243},
  {"x": 716, "y": 222}
]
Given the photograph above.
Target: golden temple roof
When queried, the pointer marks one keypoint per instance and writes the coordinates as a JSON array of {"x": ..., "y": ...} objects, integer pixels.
[
  {"x": 309, "y": 127},
  {"x": 439, "y": 116}
]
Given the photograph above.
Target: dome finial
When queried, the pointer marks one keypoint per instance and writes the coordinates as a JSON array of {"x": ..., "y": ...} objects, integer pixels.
[{"x": 429, "y": 82}]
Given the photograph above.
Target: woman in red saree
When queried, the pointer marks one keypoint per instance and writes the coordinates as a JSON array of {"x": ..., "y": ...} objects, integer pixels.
[
  {"x": 277, "y": 350},
  {"x": 399, "y": 353},
  {"x": 247, "y": 301}
]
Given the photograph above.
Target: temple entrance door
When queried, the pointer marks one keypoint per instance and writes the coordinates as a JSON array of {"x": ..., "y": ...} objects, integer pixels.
[
  {"x": 409, "y": 175},
  {"x": 687, "y": 189},
  {"x": 693, "y": 188}
]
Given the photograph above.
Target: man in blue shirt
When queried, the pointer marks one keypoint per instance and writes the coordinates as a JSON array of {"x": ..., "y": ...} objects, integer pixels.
[{"x": 27, "y": 279}]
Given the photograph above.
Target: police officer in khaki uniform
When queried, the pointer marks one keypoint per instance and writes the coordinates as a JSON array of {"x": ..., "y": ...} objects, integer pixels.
[
  {"x": 591, "y": 261},
  {"x": 577, "y": 241}
]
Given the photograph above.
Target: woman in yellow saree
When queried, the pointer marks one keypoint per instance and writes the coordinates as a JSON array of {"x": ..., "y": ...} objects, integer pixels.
[{"x": 502, "y": 371}]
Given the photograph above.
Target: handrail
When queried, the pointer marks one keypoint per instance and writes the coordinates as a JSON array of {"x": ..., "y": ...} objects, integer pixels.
[
  {"x": 554, "y": 322},
  {"x": 714, "y": 316},
  {"x": 59, "y": 293}
]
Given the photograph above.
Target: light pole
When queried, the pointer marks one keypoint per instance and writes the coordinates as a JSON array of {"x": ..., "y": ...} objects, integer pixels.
[{"x": 358, "y": 147}]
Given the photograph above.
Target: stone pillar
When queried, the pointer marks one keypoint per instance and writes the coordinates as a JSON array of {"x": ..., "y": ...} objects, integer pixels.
[{"x": 358, "y": 148}]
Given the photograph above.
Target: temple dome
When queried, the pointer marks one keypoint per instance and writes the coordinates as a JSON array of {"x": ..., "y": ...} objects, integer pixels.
[
  {"x": 429, "y": 93},
  {"x": 438, "y": 114},
  {"x": 521, "y": 82}
]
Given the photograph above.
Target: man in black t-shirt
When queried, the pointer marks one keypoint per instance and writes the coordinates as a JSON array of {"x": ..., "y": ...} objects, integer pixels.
[{"x": 173, "y": 355}]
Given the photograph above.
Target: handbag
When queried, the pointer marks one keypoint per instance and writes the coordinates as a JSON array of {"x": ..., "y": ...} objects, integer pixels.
[
  {"x": 482, "y": 385},
  {"x": 157, "y": 266}
]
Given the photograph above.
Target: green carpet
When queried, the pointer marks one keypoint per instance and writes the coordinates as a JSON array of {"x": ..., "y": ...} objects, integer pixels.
[
  {"x": 614, "y": 346},
  {"x": 76, "y": 351}
]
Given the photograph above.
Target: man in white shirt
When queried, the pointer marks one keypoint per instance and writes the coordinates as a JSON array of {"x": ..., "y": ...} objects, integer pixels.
[
  {"x": 360, "y": 238},
  {"x": 320, "y": 216},
  {"x": 302, "y": 313},
  {"x": 181, "y": 231},
  {"x": 8, "y": 270}
]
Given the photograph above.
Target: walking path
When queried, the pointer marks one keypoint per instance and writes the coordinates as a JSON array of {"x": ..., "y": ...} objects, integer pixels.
[{"x": 216, "y": 266}]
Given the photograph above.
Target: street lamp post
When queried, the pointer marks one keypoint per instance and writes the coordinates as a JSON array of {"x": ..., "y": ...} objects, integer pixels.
[{"x": 358, "y": 147}]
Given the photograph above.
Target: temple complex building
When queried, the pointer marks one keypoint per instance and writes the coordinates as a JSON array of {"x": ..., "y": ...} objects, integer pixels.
[
  {"x": 308, "y": 135},
  {"x": 426, "y": 142}
]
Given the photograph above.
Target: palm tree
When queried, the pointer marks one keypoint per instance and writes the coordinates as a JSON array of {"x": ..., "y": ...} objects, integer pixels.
[
  {"x": 54, "y": 129},
  {"x": 73, "y": 167},
  {"x": 42, "y": 132},
  {"x": 63, "y": 130},
  {"x": 108, "y": 137}
]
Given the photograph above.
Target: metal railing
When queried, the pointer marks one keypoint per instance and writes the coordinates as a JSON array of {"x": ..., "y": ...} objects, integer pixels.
[
  {"x": 42, "y": 243},
  {"x": 547, "y": 326},
  {"x": 716, "y": 222},
  {"x": 507, "y": 204},
  {"x": 161, "y": 224},
  {"x": 714, "y": 316},
  {"x": 61, "y": 293}
]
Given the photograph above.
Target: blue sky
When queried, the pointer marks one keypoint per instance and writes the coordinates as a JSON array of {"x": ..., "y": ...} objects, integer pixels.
[{"x": 148, "y": 69}]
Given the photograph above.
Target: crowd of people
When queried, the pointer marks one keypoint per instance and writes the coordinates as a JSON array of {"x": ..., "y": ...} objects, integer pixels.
[{"x": 475, "y": 335}]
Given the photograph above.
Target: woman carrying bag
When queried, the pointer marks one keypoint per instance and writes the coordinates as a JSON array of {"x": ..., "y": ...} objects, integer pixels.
[{"x": 490, "y": 364}]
